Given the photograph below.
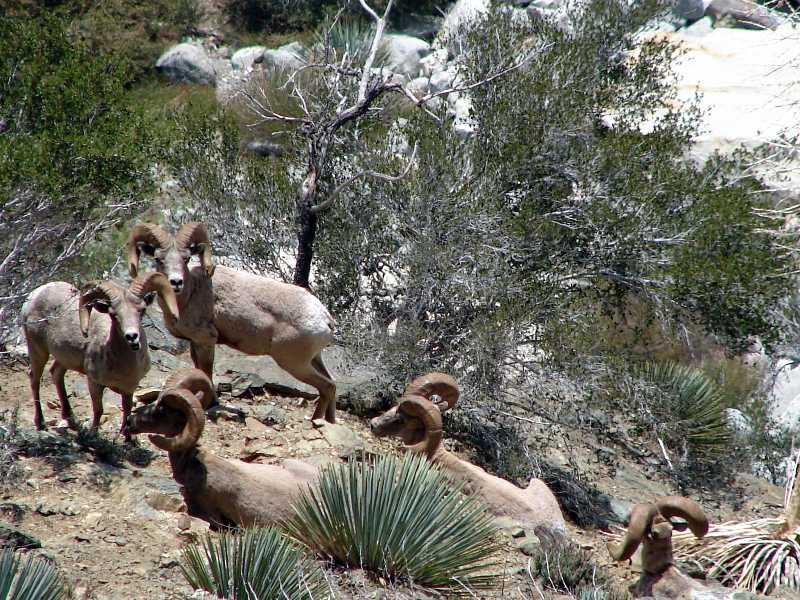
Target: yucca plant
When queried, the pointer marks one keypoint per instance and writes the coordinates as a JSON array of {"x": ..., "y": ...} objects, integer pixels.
[
  {"x": 29, "y": 578},
  {"x": 352, "y": 36},
  {"x": 257, "y": 564},
  {"x": 401, "y": 519},
  {"x": 758, "y": 556},
  {"x": 695, "y": 408}
]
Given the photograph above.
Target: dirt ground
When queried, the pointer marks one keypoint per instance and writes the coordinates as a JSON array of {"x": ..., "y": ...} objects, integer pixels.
[{"x": 116, "y": 532}]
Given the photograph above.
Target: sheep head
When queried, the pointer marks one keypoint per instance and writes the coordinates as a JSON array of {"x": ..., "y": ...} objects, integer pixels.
[
  {"x": 417, "y": 418},
  {"x": 177, "y": 417},
  {"x": 650, "y": 526},
  {"x": 124, "y": 307},
  {"x": 171, "y": 255}
]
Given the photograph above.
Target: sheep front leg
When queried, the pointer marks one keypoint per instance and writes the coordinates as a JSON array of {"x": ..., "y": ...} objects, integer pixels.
[
  {"x": 127, "y": 406},
  {"x": 203, "y": 358}
]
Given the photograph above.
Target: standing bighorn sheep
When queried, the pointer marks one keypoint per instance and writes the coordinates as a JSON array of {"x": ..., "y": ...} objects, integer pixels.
[
  {"x": 111, "y": 351},
  {"x": 417, "y": 420},
  {"x": 222, "y": 492},
  {"x": 252, "y": 314},
  {"x": 650, "y": 527}
]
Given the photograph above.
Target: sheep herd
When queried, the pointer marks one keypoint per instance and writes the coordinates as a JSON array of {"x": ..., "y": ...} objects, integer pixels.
[{"x": 97, "y": 331}]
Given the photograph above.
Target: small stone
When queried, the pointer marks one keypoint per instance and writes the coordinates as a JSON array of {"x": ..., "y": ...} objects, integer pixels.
[
  {"x": 318, "y": 423},
  {"x": 119, "y": 540},
  {"x": 255, "y": 429},
  {"x": 93, "y": 519},
  {"x": 346, "y": 441},
  {"x": 184, "y": 522},
  {"x": 529, "y": 546}
]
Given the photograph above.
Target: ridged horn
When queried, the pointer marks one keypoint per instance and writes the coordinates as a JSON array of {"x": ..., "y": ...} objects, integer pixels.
[
  {"x": 195, "y": 381},
  {"x": 155, "y": 282},
  {"x": 642, "y": 517},
  {"x": 91, "y": 292},
  {"x": 194, "y": 237},
  {"x": 677, "y": 506},
  {"x": 430, "y": 384},
  {"x": 148, "y": 233},
  {"x": 431, "y": 417},
  {"x": 189, "y": 405}
]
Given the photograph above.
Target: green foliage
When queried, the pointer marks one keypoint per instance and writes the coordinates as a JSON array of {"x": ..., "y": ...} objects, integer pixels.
[
  {"x": 691, "y": 413},
  {"x": 564, "y": 567},
  {"x": 348, "y": 35},
  {"x": 399, "y": 518},
  {"x": 254, "y": 564},
  {"x": 28, "y": 578}
]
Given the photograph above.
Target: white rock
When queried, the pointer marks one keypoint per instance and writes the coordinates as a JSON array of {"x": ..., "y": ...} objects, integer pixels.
[
  {"x": 458, "y": 18},
  {"x": 701, "y": 28},
  {"x": 786, "y": 394},
  {"x": 738, "y": 423},
  {"x": 464, "y": 124},
  {"x": 187, "y": 63},
  {"x": 442, "y": 80},
  {"x": 405, "y": 53},
  {"x": 419, "y": 86},
  {"x": 243, "y": 59},
  {"x": 434, "y": 62},
  {"x": 289, "y": 57}
]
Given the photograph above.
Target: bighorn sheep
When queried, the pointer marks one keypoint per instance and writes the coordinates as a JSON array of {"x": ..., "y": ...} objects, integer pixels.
[
  {"x": 111, "y": 351},
  {"x": 223, "y": 492},
  {"x": 417, "y": 420},
  {"x": 650, "y": 526},
  {"x": 253, "y": 314}
]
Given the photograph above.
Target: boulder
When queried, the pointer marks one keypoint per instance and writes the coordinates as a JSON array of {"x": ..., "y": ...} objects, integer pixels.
[
  {"x": 458, "y": 18},
  {"x": 243, "y": 59},
  {"x": 405, "y": 54},
  {"x": 187, "y": 63},
  {"x": 288, "y": 57},
  {"x": 690, "y": 9}
]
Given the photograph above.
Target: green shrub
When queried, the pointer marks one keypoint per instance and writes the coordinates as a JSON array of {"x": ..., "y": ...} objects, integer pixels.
[
  {"x": 399, "y": 518},
  {"x": 254, "y": 564},
  {"x": 30, "y": 578}
]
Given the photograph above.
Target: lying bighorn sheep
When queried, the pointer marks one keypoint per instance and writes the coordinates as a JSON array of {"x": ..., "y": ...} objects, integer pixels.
[
  {"x": 252, "y": 314},
  {"x": 417, "y": 420},
  {"x": 650, "y": 526},
  {"x": 222, "y": 492},
  {"x": 111, "y": 351}
]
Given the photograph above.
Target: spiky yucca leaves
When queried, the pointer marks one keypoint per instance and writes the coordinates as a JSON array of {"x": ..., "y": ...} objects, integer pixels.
[
  {"x": 695, "y": 407},
  {"x": 399, "y": 518},
  {"x": 257, "y": 564},
  {"x": 349, "y": 36},
  {"x": 28, "y": 578}
]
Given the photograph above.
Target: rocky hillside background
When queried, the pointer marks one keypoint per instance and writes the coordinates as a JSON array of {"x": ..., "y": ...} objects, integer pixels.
[{"x": 592, "y": 197}]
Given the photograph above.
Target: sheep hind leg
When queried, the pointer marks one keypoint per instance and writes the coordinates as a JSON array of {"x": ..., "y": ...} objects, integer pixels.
[
  {"x": 38, "y": 360},
  {"x": 96, "y": 393},
  {"x": 330, "y": 405},
  {"x": 57, "y": 372},
  {"x": 319, "y": 378}
]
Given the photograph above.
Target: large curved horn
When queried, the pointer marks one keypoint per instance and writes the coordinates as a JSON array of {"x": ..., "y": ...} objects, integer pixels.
[
  {"x": 91, "y": 292},
  {"x": 642, "y": 517},
  {"x": 431, "y": 417},
  {"x": 430, "y": 384},
  {"x": 195, "y": 381},
  {"x": 189, "y": 405},
  {"x": 677, "y": 506},
  {"x": 194, "y": 237},
  {"x": 155, "y": 282},
  {"x": 148, "y": 233}
]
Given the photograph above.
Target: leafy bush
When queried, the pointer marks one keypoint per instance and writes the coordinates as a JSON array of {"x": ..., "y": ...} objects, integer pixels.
[
  {"x": 30, "y": 578},
  {"x": 399, "y": 518},
  {"x": 254, "y": 564}
]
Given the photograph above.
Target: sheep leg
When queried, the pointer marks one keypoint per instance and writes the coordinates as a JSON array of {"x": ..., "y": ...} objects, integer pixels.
[
  {"x": 330, "y": 407},
  {"x": 319, "y": 378},
  {"x": 38, "y": 361},
  {"x": 203, "y": 358},
  {"x": 127, "y": 406},
  {"x": 57, "y": 372},
  {"x": 96, "y": 393}
]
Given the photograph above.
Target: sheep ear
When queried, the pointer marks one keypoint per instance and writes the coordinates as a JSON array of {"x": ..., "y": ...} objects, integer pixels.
[{"x": 148, "y": 298}]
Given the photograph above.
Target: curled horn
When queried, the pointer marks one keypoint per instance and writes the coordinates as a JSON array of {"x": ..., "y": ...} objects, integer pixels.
[
  {"x": 431, "y": 384},
  {"x": 189, "y": 405},
  {"x": 194, "y": 237},
  {"x": 155, "y": 282},
  {"x": 195, "y": 381},
  {"x": 431, "y": 417},
  {"x": 641, "y": 519},
  {"x": 93, "y": 291},
  {"x": 676, "y": 506},
  {"x": 148, "y": 233}
]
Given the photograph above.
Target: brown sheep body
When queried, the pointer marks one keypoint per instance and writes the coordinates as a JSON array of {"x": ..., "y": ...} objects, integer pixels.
[
  {"x": 110, "y": 349},
  {"x": 417, "y": 420},
  {"x": 255, "y": 315},
  {"x": 226, "y": 493}
]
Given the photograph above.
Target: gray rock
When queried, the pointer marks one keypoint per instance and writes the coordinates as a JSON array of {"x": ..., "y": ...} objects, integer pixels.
[
  {"x": 701, "y": 28},
  {"x": 441, "y": 81},
  {"x": 458, "y": 20},
  {"x": 268, "y": 414},
  {"x": 405, "y": 54},
  {"x": 16, "y": 539},
  {"x": 187, "y": 63},
  {"x": 287, "y": 57},
  {"x": 738, "y": 423},
  {"x": 620, "y": 511},
  {"x": 529, "y": 546},
  {"x": 159, "y": 337},
  {"x": 690, "y": 9},
  {"x": 418, "y": 86},
  {"x": 243, "y": 59},
  {"x": 346, "y": 441}
]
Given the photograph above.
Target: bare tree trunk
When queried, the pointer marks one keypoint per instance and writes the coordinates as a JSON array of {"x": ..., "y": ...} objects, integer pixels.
[{"x": 306, "y": 230}]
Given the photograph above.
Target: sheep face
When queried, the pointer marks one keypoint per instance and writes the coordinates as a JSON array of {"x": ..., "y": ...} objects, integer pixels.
[
  {"x": 125, "y": 310},
  {"x": 172, "y": 262},
  {"x": 156, "y": 418},
  {"x": 394, "y": 423}
]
